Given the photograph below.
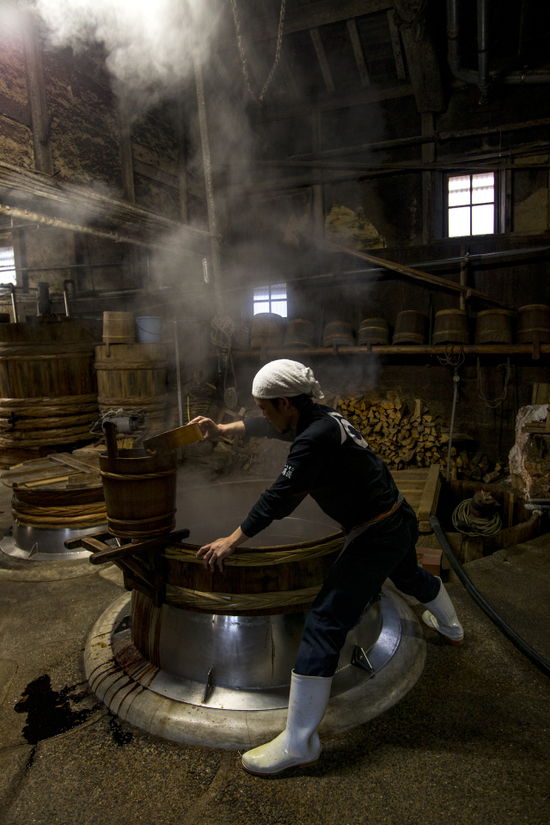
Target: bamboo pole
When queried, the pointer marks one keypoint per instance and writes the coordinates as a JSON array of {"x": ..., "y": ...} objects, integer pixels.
[{"x": 416, "y": 274}]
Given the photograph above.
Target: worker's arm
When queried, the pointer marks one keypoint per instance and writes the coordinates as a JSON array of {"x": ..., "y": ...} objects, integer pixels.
[
  {"x": 210, "y": 429},
  {"x": 215, "y": 552}
]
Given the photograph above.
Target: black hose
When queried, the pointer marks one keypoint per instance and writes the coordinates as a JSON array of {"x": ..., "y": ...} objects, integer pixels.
[{"x": 534, "y": 657}]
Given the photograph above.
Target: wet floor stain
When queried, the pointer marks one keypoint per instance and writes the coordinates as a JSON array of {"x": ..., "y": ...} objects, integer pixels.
[
  {"x": 49, "y": 712},
  {"x": 120, "y": 736}
]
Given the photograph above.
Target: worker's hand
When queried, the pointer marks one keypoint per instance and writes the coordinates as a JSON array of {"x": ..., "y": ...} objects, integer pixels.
[
  {"x": 215, "y": 552},
  {"x": 208, "y": 427}
]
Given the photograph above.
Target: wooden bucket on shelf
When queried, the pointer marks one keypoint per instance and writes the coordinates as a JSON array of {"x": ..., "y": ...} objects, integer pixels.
[
  {"x": 47, "y": 385},
  {"x": 119, "y": 328},
  {"x": 494, "y": 326},
  {"x": 133, "y": 376},
  {"x": 373, "y": 331},
  {"x": 533, "y": 324},
  {"x": 268, "y": 331},
  {"x": 240, "y": 340},
  {"x": 410, "y": 328},
  {"x": 338, "y": 333},
  {"x": 300, "y": 333},
  {"x": 451, "y": 327},
  {"x": 140, "y": 493}
]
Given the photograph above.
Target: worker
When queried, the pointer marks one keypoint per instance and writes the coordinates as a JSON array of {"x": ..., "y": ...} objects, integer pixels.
[{"x": 331, "y": 461}]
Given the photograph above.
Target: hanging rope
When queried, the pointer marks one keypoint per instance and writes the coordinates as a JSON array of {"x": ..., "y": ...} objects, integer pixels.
[
  {"x": 495, "y": 402},
  {"x": 450, "y": 360},
  {"x": 242, "y": 53}
]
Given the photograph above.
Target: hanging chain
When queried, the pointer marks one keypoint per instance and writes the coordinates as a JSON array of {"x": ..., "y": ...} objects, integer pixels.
[{"x": 242, "y": 53}]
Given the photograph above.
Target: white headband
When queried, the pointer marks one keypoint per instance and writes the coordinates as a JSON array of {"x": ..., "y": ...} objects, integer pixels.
[{"x": 285, "y": 379}]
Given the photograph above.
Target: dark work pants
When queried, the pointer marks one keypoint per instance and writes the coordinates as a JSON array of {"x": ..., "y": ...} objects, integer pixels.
[{"x": 371, "y": 554}]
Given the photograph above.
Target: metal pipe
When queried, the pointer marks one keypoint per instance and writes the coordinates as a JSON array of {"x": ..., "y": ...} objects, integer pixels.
[
  {"x": 178, "y": 373},
  {"x": 11, "y": 288},
  {"x": 456, "y": 379},
  {"x": 483, "y": 77},
  {"x": 534, "y": 657},
  {"x": 419, "y": 139},
  {"x": 484, "y": 81},
  {"x": 207, "y": 164},
  {"x": 66, "y": 294}
]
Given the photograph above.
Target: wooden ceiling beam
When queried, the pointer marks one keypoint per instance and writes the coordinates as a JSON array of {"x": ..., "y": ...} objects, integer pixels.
[
  {"x": 358, "y": 52},
  {"x": 323, "y": 61},
  {"x": 328, "y": 103},
  {"x": 320, "y": 13}
]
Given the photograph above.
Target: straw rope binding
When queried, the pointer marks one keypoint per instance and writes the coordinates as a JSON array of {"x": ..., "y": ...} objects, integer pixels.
[
  {"x": 255, "y": 557},
  {"x": 232, "y": 602}
]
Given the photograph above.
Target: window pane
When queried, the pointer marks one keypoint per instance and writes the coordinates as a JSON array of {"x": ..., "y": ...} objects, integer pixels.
[
  {"x": 483, "y": 188},
  {"x": 279, "y": 308},
  {"x": 459, "y": 190},
  {"x": 459, "y": 221},
  {"x": 483, "y": 219},
  {"x": 261, "y": 306},
  {"x": 278, "y": 292},
  {"x": 7, "y": 266},
  {"x": 261, "y": 293}
]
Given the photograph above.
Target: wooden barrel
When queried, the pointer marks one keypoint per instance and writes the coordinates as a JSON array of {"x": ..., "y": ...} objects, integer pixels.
[
  {"x": 533, "y": 324},
  {"x": 451, "y": 327},
  {"x": 119, "y": 328},
  {"x": 268, "y": 330},
  {"x": 410, "y": 328},
  {"x": 140, "y": 493},
  {"x": 47, "y": 384},
  {"x": 373, "y": 331},
  {"x": 299, "y": 333},
  {"x": 133, "y": 376},
  {"x": 494, "y": 326},
  {"x": 240, "y": 339},
  {"x": 338, "y": 333}
]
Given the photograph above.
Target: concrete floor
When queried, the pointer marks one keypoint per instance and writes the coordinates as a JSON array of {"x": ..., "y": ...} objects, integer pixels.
[{"x": 468, "y": 744}]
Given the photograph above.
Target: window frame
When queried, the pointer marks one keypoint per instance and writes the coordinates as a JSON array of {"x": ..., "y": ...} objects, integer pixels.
[
  {"x": 442, "y": 203},
  {"x": 270, "y": 300}
]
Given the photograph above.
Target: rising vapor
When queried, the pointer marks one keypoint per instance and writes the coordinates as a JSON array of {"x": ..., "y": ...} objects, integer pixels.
[{"x": 147, "y": 44}]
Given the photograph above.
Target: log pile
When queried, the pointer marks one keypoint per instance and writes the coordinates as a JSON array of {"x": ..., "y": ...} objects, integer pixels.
[{"x": 407, "y": 435}]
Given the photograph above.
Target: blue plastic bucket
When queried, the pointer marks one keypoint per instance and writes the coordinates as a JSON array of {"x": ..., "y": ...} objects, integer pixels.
[{"x": 149, "y": 328}]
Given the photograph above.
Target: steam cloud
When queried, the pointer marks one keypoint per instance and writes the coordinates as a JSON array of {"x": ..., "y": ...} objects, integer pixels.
[{"x": 147, "y": 44}]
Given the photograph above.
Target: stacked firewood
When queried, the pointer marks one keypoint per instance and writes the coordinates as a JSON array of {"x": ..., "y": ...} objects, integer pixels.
[
  {"x": 400, "y": 436},
  {"x": 406, "y": 435}
]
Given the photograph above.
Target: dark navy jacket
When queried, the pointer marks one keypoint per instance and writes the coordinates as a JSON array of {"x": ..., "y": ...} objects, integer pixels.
[{"x": 330, "y": 461}]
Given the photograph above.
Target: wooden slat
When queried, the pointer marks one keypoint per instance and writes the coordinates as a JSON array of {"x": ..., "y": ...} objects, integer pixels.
[
  {"x": 75, "y": 463},
  {"x": 429, "y": 499}
]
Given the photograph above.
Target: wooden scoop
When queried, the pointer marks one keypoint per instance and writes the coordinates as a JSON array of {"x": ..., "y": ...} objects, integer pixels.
[{"x": 172, "y": 439}]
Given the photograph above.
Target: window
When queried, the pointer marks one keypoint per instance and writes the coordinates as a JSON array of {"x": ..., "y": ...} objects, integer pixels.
[
  {"x": 471, "y": 204},
  {"x": 7, "y": 265},
  {"x": 271, "y": 298}
]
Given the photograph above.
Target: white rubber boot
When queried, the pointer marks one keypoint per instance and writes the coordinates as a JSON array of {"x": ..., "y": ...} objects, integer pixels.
[
  {"x": 441, "y": 616},
  {"x": 299, "y": 743}
]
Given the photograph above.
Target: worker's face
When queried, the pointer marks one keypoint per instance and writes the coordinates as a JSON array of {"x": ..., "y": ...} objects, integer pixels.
[{"x": 278, "y": 412}]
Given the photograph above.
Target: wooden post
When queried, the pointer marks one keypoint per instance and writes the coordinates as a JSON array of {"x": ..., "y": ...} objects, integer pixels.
[
  {"x": 182, "y": 163},
  {"x": 318, "y": 191},
  {"x": 125, "y": 129},
  {"x": 41, "y": 120}
]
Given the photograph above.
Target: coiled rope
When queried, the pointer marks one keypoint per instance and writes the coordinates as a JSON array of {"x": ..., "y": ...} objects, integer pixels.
[{"x": 465, "y": 523}]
